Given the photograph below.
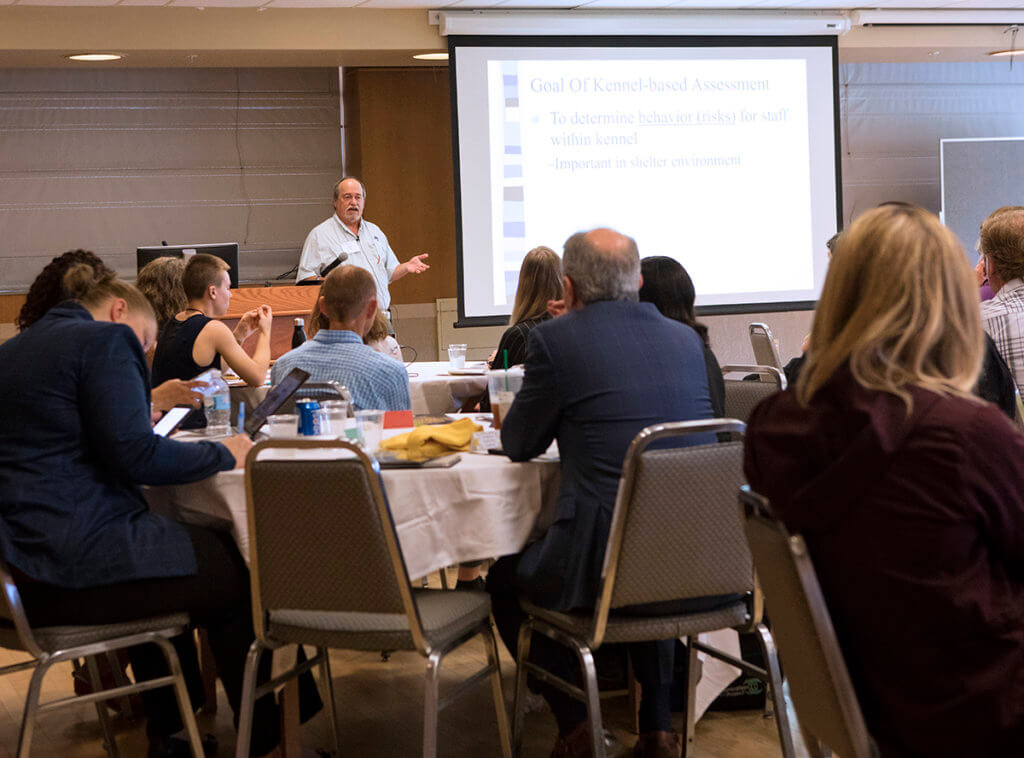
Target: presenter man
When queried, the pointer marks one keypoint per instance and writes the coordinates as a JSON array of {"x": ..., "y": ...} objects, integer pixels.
[{"x": 347, "y": 238}]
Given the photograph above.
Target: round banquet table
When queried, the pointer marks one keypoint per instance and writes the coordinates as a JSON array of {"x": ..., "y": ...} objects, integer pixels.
[
  {"x": 432, "y": 390},
  {"x": 482, "y": 507}
]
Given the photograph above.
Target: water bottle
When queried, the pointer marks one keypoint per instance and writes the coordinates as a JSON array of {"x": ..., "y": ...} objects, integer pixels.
[
  {"x": 298, "y": 333},
  {"x": 217, "y": 405}
]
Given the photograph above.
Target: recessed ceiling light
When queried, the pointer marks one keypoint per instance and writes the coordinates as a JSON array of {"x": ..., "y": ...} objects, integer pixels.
[
  {"x": 95, "y": 57},
  {"x": 431, "y": 57},
  {"x": 1005, "y": 52}
]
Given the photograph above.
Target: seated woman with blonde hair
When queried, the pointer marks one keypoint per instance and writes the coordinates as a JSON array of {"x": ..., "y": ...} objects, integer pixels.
[
  {"x": 540, "y": 281},
  {"x": 380, "y": 339},
  {"x": 908, "y": 490}
]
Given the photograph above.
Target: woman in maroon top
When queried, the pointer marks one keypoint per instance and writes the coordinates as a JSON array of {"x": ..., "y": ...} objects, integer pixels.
[{"x": 908, "y": 490}]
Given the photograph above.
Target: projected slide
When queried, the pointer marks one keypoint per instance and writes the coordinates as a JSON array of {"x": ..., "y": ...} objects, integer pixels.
[{"x": 722, "y": 158}]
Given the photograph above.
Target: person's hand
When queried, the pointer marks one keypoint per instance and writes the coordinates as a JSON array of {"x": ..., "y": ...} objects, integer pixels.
[
  {"x": 415, "y": 265},
  {"x": 238, "y": 446},
  {"x": 266, "y": 318},
  {"x": 178, "y": 392},
  {"x": 248, "y": 324},
  {"x": 979, "y": 271},
  {"x": 557, "y": 308}
]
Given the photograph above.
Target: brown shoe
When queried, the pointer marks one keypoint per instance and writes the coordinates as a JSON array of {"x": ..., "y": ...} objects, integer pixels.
[
  {"x": 576, "y": 744},
  {"x": 658, "y": 745}
]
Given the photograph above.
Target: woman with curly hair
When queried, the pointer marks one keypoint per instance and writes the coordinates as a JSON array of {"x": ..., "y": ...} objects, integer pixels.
[
  {"x": 47, "y": 290},
  {"x": 160, "y": 281}
]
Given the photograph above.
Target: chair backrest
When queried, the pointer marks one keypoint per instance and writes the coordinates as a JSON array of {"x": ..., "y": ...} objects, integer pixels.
[
  {"x": 742, "y": 396},
  {"x": 675, "y": 532},
  {"x": 819, "y": 683},
  {"x": 321, "y": 537},
  {"x": 320, "y": 391},
  {"x": 766, "y": 352}
]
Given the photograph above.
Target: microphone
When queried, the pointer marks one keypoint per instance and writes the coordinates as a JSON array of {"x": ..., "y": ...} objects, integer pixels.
[{"x": 329, "y": 267}]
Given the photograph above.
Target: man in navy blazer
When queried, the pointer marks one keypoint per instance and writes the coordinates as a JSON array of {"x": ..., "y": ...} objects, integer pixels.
[{"x": 594, "y": 378}]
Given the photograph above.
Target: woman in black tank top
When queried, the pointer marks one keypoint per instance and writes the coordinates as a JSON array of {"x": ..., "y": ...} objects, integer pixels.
[
  {"x": 196, "y": 331},
  {"x": 173, "y": 358}
]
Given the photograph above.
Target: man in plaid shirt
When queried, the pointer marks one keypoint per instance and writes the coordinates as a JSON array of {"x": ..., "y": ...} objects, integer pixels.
[
  {"x": 348, "y": 303},
  {"x": 1002, "y": 245}
]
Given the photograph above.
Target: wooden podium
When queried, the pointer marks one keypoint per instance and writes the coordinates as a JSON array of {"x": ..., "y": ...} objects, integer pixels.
[{"x": 288, "y": 303}]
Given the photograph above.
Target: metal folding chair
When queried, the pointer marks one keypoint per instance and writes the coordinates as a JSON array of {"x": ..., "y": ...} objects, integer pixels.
[
  {"x": 50, "y": 645},
  {"x": 766, "y": 352},
  {"x": 743, "y": 395},
  {"x": 819, "y": 683},
  {"x": 327, "y": 570},
  {"x": 675, "y": 534},
  {"x": 321, "y": 391}
]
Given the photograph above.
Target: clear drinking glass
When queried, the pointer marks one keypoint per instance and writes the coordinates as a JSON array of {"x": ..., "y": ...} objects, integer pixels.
[
  {"x": 370, "y": 425},
  {"x": 457, "y": 356},
  {"x": 283, "y": 426},
  {"x": 336, "y": 413}
]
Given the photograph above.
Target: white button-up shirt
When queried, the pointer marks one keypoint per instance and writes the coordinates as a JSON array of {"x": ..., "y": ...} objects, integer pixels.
[{"x": 369, "y": 249}]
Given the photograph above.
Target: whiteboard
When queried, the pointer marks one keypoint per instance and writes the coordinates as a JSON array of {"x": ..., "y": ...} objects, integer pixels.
[{"x": 977, "y": 176}]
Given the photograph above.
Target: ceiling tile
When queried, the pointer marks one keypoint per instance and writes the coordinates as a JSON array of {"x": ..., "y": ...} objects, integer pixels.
[
  {"x": 67, "y": 2},
  {"x": 405, "y": 3},
  {"x": 562, "y": 4},
  {"x": 217, "y": 3},
  {"x": 312, "y": 3},
  {"x": 719, "y": 5},
  {"x": 626, "y": 4},
  {"x": 474, "y": 4}
]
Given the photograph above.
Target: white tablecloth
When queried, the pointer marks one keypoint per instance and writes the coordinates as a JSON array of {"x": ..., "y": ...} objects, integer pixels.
[
  {"x": 482, "y": 507},
  {"x": 432, "y": 389}
]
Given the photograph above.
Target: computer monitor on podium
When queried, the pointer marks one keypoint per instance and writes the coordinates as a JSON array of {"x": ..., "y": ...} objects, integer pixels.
[{"x": 226, "y": 251}]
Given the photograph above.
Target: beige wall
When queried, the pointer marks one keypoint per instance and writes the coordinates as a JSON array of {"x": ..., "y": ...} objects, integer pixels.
[{"x": 398, "y": 140}]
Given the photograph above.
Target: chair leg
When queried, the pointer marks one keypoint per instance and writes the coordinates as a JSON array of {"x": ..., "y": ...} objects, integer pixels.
[
  {"x": 109, "y": 740},
  {"x": 252, "y": 664},
  {"x": 814, "y": 748},
  {"x": 120, "y": 680},
  {"x": 692, "y": 677},
  {"x": 430, "y": 704},
  {"x": 328, "y": 685},
  {"x": 188, "y": 714},
  {"x": 634, "y": 694},
  {"x": 519, "y": 696},
  {"x": 499, "y": 699},
  {"x": 444, "y": 578},
  {"x": 771, "y": 659},
  {"x": 593, "y": 702},
  {"x": 28, "y": 718},
  {"x": 208, "y": 671}
]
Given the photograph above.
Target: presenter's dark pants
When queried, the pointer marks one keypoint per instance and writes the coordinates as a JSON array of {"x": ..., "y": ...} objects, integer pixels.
[
  {"x": 652, "y": 661},
  {"x": 216, "y": 598}
]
